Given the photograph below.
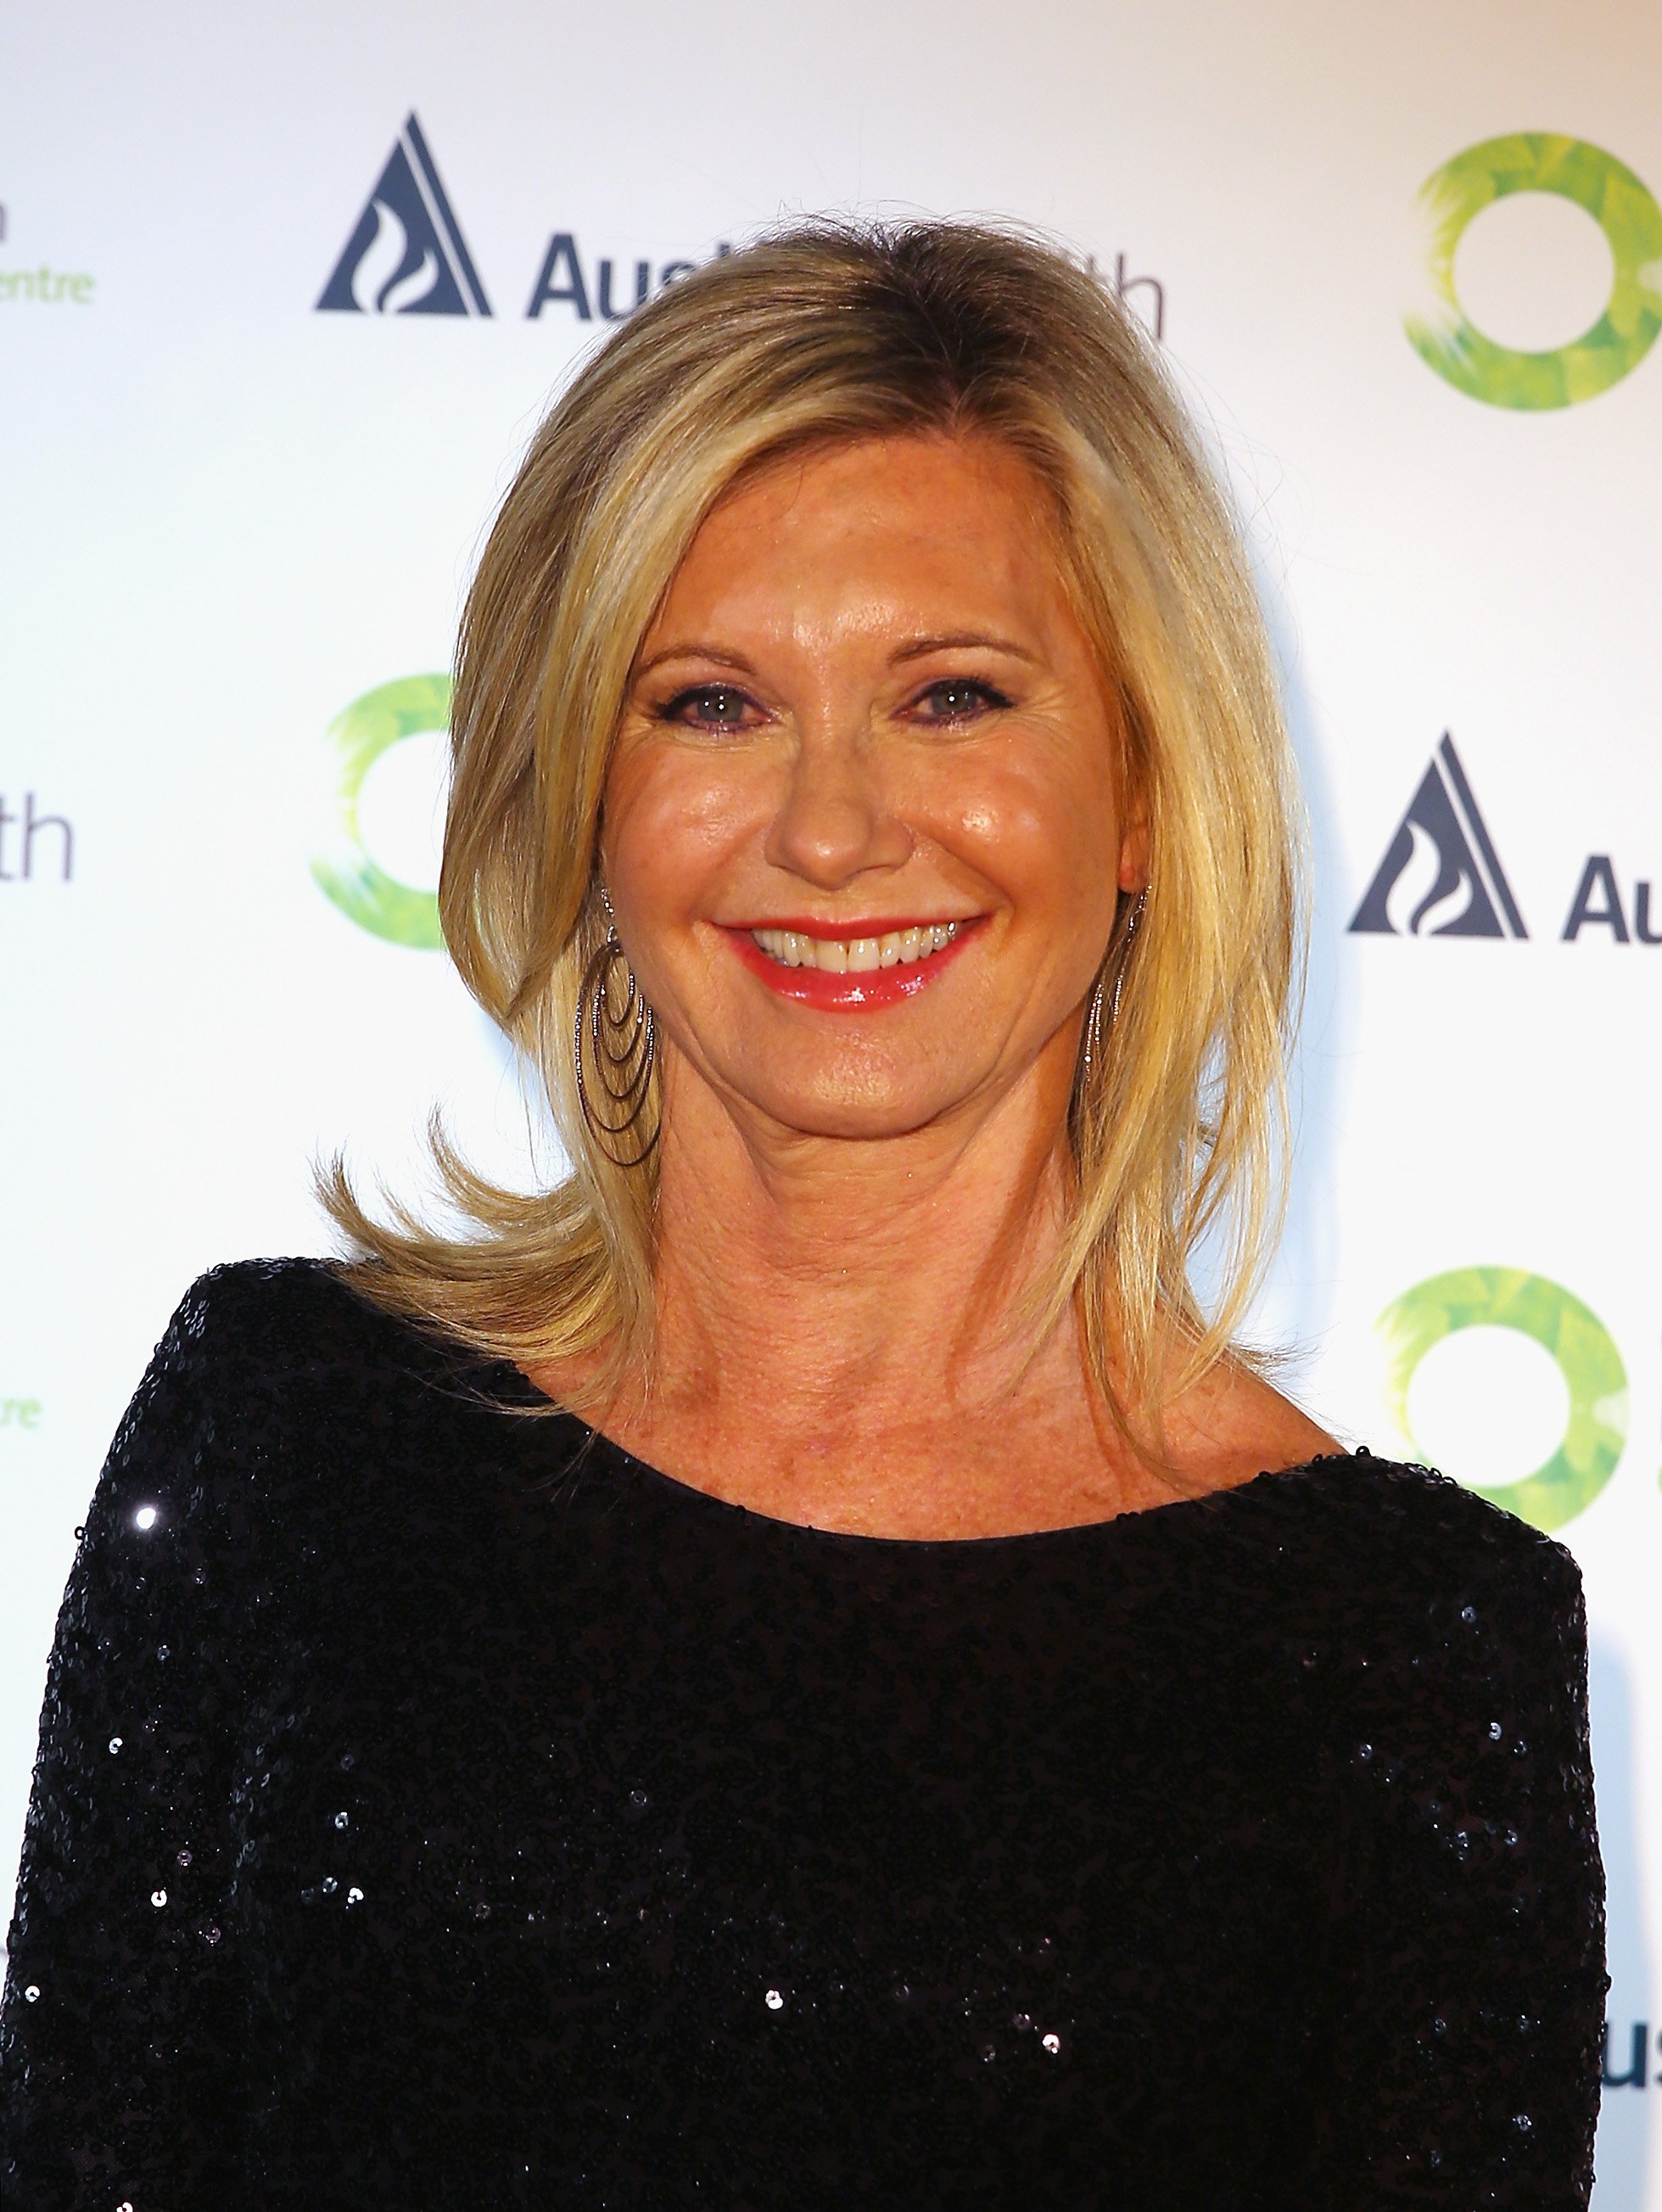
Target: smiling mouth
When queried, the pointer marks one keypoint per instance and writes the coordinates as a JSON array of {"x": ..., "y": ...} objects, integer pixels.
[
  {"x": 847, "y": 968},
  {"x": 856, "y": 956}
]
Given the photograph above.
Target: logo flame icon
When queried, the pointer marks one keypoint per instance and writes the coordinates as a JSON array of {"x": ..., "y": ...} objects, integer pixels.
[
  {"x": 406, "y": 255},
  {"x": 379, "y": 285},
  {"x": 1441, "y": 876},
  {"x": 1414, "y": 905}
]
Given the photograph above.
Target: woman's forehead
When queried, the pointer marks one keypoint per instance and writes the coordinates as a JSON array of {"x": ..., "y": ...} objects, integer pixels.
[
  {"x": 842, "y": 475},
  {"x": 917, "y": 532}
]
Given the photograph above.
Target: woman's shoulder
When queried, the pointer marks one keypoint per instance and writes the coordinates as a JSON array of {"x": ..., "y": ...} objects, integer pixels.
[
  {"x": 259, "y": 1351},
  {"x": 1353, "y": 1517},
  {"x": 1392, "y": 1553},
  {"x": 1231, "y": 1426},
  {"x": 263, "y": 1289},
  {"x": 282, "y": 1402},
  {"x": 1400, "y": 1509},
  {"x": 283, "y": 1318}
]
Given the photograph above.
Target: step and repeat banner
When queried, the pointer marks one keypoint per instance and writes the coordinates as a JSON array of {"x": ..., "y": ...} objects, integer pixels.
[{"x": 283, "y": 291}]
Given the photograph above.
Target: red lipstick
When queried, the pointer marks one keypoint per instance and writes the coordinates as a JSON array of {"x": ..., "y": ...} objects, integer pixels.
[{"x": 871, "y": 988}]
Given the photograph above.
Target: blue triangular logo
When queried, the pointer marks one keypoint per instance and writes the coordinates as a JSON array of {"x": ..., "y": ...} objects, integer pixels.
[
  {"x": 407, "y": 255},
  {"x": 1441, "y": 876}
]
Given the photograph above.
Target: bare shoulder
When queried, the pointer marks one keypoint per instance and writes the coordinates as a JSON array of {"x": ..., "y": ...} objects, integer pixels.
[{"x": 1233, "y": 1425}]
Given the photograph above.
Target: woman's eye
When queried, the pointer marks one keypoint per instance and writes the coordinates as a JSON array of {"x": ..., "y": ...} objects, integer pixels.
[
  {"x": 956, "y": 698},
  {"x": 706, "y": 706}
]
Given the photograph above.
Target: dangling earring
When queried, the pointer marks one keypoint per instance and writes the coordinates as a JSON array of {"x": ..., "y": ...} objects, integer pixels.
[
  {"x": 623, "y": 1046},
  {"x": 1094, "y": 1019}
]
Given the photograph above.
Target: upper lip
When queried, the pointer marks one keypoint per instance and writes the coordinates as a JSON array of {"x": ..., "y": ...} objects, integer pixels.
[{"x": 847, "y": 932}]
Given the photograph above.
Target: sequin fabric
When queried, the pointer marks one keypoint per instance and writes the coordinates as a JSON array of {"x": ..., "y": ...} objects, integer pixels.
[{"x": 437, "y": 1807}]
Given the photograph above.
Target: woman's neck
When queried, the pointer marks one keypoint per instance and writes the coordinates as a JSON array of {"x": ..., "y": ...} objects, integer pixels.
[
  {"x": 847, "y": 1332},
  {"x": 806, "y": 1269},
  {"x": 848, "y": 1335}
]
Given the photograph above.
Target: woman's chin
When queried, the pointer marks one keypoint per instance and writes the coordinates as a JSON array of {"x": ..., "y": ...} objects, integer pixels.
[{"x": 862, "y": 1110}]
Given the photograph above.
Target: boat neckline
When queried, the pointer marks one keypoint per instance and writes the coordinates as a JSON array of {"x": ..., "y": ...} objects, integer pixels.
[{"x": 596, "y": 1439}]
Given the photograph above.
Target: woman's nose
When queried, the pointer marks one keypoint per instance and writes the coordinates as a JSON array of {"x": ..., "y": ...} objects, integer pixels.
[{"x": 835, "y": 819}]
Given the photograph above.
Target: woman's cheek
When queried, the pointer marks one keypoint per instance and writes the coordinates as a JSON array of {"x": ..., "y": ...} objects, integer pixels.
[
  {"x": 676, "y": 822},
  {"x": 1022, "y": 840}
]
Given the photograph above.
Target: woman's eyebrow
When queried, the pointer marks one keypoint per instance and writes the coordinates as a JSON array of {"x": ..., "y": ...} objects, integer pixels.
[
  {"x": 693, "y": 649},
  {"x": 958, "y": 642},
  {"x": 916, "y": 648}
]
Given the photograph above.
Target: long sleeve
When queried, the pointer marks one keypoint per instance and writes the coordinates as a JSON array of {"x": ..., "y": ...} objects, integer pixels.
[
  {"x": 121, "y": 2006},
  {"x": 1468, "y": 1953}
]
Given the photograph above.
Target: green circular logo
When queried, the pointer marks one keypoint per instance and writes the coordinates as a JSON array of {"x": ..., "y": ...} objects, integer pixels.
[
  {"x": 1540, "y": 161},
  {"x": 1586, "y": 1352},
  {"x": 362, "y": 890}
]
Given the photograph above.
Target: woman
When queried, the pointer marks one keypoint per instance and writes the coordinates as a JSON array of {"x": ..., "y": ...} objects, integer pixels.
[{"x": 799, "y": 1668}]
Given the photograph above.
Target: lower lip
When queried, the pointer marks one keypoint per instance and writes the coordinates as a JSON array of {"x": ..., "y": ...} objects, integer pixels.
[{"x": 873, "y": 987}]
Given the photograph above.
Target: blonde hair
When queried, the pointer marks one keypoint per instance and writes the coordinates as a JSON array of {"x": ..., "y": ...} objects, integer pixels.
[{"x": 835, "y": 332}]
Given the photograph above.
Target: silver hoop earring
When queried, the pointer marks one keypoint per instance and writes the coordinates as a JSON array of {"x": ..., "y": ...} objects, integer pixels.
[
  {"x": 1094, "y": 1019},
  {"x": 622, "y": 1052}
]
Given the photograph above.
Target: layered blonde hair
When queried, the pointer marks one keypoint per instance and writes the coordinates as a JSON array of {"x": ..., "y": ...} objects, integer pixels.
[{"x": 828, "y": 333}]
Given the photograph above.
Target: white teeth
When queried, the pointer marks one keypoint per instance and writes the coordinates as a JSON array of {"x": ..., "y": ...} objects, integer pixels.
[{"x": 857, "y": 956}]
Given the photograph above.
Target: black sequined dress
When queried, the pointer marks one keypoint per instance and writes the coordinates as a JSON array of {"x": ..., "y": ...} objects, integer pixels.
[{"x": 433, "y": 1813}]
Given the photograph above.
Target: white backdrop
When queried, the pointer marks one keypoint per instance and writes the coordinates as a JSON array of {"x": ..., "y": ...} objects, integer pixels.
[{"x": 227, "y": 513}]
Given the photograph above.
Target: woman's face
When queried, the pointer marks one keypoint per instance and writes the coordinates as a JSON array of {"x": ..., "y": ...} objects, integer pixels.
[{"x": 863, "y": 828}]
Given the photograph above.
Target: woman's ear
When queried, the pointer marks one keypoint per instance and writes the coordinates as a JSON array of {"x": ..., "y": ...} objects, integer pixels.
[{"x": 1134, "y": 843}]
